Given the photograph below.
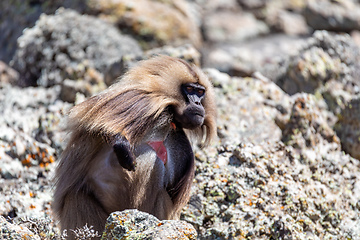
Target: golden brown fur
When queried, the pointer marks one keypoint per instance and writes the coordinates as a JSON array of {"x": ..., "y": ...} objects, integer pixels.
[
  {"x": 144, "y": 92},
  {"x": 90, "y": 183}
]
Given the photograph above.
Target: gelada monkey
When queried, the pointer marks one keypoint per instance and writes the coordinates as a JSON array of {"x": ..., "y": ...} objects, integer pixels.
[{"x": 129, "y": 146}]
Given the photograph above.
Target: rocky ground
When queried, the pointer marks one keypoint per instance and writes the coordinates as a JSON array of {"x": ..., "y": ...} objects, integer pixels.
[{"x": 286, "y": 75}]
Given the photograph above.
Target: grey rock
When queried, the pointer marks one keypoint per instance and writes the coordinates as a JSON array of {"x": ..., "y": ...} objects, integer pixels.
[
  {"x": 252, "y": 4},
  {"x": 133, "y": 224},
  {"x": 15, "y": 232},
  {"x": 277, "y": 171},
  {"x": 31, "y": 120},
  {"x": 219, "y": 26},
  {"x": 10, "y": 169},
  {"x": 341, "y": 16},
  {"x": 280, "y": 230},
  {"x": 31, "y": 137},
  {"x": 249, "y": 184},
  {"x": 324, "y": 58},
  {"x": 266, "y": 55},
  {"x": 187, "y": 52},
  {"x": 154, "y": 23},
  {"x": 16, "y": 15},
  {"x": 219, "y": 5},
  {"x": 268, "y": 189},
  {"x": 288, "y": 22},
  {"x": 307, "y": 126},
  {"x": 60, "y": 45},
  {"x": 70, "y": 88},
  {"x": 8, "y": 74},
  {"x": 253, "y": 109},
  {"x": 348, "y": 128},
  {"x": 310, "y": 70}
]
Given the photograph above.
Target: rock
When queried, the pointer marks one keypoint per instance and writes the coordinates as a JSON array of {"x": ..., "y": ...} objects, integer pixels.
[
  {"x": 219, "y": 5},
  {"x": 348, "y": 128},
  {"x": 10, "y": 169},
  {"x": 195, "y": 210},
  {"x": 265, "y": 54},
  {"x": 63, "y": 46},
  {"x": 154, "y": 23},
  {"x": 270, "y": 10},
  {"x": 337, "y": 95},
  {"x": 13, "y": 231},
  {"x": 186, "y": 52},
  {"x": 355, "y": 35},
  {"x": 70, "y": 88},
  {"x": 279, "y": 230},
  {"x": 323, "y": 59},
  {"x": 116, "y": 69},
  {"x": 277, "y": 170},
  {"x": 17, "y": 15},
  {"x": 131, "y": 224},
  {"x": 343, "y": 16},
  {"x": 310, "y": 70},
  {"x": 307, "y": 127},
  {"x": 219, "y": 27},
  {"x": 32, "y": 121},
  {"x": 252, "y": 4},
  {"x": 31, "y": 138},
  {"x": 254, "y": 111},
  {"x": 8, "y": 74},
  {"x": 30, "y": 228},
  {"x": 270, "y": 191},
  {"x": 264, "y": 188},
  {"x": 288, "y": 22}
]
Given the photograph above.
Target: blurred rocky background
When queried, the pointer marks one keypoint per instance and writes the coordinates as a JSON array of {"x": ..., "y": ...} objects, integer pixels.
[{"x": 287, "y": 77}]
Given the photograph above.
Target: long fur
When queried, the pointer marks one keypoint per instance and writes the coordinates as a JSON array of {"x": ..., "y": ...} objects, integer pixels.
[
  {"x": 133, "y": 107},
  {"x": 141, "y": 96}
]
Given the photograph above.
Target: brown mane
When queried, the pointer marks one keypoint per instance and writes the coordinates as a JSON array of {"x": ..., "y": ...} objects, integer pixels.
[{"x": 130, "y": 102}]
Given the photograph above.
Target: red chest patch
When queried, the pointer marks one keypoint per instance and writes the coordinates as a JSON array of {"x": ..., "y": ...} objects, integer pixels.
[{"x": 160, "y": 150}]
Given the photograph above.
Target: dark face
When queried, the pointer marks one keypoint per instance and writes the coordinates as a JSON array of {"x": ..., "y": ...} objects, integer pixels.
[{"x": 192, "y": 116}]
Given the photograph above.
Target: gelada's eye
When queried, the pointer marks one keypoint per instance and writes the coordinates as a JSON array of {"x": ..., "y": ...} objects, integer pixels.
[
  {"x": 189, "y": 89},
  {"x": 200, "y": 92}
]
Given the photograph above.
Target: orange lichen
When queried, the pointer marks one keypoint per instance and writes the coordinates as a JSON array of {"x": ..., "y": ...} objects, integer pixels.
[
  {"x": 224, "y": 180},
  {"x": 27, "y": 160},
  {"x": 40, "y": 155}
]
